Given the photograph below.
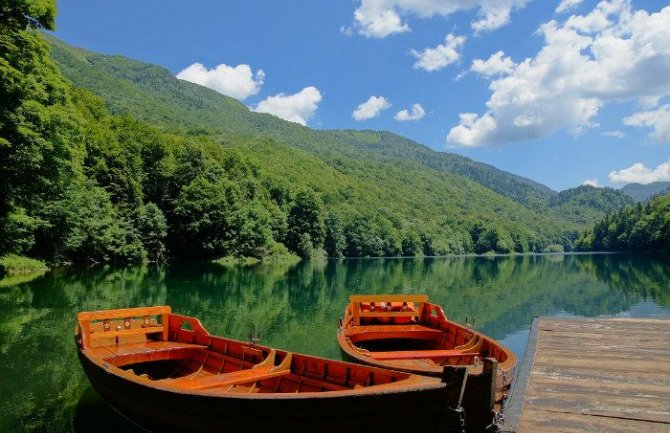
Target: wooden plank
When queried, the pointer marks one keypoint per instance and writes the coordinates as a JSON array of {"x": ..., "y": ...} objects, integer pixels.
[
  {"x": 514, "y": 405},
  {"x": 542, "y": 421},
  {"x": 594, "y": 375},
  {"x": 612, "y": 363},
  {"x": 123, "y": 312},
  {"x": 601, "y": 375},
  {"x": 418, "y": 354},
  {"x": 229, "y": 379},
  {"x": 388, "y": 298},
  {"x": 388, "y": 314},
  {"x": 636, "y": 337},
  {"x": 126, "y": 332}
]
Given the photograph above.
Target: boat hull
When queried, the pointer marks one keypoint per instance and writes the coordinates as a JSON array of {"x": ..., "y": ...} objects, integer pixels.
[
  {"x": 424, "y": 342},
  {"x": 165, "y": 411}
]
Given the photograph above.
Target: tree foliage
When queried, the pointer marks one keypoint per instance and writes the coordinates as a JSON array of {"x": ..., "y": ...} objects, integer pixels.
[{"x": 637, "y": 228}]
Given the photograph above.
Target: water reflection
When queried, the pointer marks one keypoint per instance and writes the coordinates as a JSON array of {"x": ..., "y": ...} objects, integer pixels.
[{"x": 296, "y": 307}]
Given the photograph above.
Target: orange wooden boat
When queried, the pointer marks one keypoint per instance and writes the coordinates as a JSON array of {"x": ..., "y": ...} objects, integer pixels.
[
  {"x": 408, "y": 333},
  {"x": 167, "y": 373}
]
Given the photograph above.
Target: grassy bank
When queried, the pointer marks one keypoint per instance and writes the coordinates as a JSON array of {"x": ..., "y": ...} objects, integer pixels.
[
  {"x": 18, "y": 269},
  {"x": 279, "y": 255},
  {"x": 13, "y": 265}
]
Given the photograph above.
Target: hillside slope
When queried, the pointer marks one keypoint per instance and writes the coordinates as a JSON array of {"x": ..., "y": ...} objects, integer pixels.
[
  {"x": 152, "y": 94},
  {"x": 376, "y": 175}
]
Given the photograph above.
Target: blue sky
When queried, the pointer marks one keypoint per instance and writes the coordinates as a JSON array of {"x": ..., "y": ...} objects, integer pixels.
[{"x": 580, "y": 92}]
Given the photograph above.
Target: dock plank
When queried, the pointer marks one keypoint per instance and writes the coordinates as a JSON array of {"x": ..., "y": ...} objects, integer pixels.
[{"x": 593, "y": 375}]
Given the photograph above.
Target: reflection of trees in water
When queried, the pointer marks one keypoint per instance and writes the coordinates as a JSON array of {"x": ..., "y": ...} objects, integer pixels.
[
  {"x": 295, "y": 306},
  {"x": 643, "y": 276},
  {"x": 42, "y": 380}
]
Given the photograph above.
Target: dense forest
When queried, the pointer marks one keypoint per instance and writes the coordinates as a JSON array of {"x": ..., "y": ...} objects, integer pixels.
[
  {"x": 105, "y": 159},
  {"x": 643, "y": 227}
]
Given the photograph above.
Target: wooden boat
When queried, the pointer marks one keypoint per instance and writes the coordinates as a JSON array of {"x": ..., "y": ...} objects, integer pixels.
[
  {"x": 167, "y": 373},
  {"x": 408, "y": 333}
]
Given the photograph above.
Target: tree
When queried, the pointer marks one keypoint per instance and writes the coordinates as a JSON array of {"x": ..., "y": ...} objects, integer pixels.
[
  {"x": 17, "y": 15},
  {"x": 305, "y": 217},
  {"x": 334, "y": 242},
  {"x": 206, "y": 223},
  {"x": 39, "y": 144},
  {"x": 152, "y": 227},
  {"x": 83, "y": 226}
]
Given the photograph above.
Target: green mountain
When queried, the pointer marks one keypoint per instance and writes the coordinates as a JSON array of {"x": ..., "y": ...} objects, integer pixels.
[
  {"x": 152, "y": 94},
  {"x": 641, "y": 193},
  {"x": 586, "y": 204},
  {"x": 107, "y": 159}
]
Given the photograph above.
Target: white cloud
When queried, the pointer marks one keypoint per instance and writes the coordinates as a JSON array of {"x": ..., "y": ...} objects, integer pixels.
[
  {"x": 432, "y": 59},
  {"x": 591, "y": 182},
  {"x": 238, "y": 81},
  {"x": 371, "y": 108},
  {"x": 615, "y": 134},
  {"x": 638, "y": 173},
  {"x": 658, "y": 119},
  {"x": 381, "y": 18},
  {"x": 405, "y": 115},
  {"x": 566, "y": 5},
  {"x": 495, "y": 65},
  {"x": 298, "y": 108},
  {"x": 611, "y": 54}
]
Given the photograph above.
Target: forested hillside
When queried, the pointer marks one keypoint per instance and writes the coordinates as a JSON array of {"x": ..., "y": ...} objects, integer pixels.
[
  {"x": 585, "y": 204},
  {"x": 643, "y": 227},
  {"x": 160, "y": 167},
  {"x": 153, "y": 94}
]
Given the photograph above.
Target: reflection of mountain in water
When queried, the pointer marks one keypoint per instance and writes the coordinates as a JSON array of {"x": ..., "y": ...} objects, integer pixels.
[{"x": 296, "y": 307}]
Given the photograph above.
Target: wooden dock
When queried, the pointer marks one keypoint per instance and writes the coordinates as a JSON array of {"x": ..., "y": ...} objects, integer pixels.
[{"x": 593, "y": 375}]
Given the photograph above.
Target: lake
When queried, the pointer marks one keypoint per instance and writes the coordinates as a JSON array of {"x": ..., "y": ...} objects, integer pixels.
[{"x": 296, "y": 307}]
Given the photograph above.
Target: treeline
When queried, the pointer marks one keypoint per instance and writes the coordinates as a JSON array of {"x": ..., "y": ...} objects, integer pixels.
[
  {"x": 82, "y": 185},
  {"x": 643, "y": 227}
]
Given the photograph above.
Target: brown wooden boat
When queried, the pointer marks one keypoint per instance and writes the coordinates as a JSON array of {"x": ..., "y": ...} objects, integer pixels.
[
  {"x": 167, "y": 373},
  {"x": 408, "y": 333}
]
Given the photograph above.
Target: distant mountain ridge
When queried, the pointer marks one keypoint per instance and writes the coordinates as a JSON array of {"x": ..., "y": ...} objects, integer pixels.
[
  {"x": 643, "y": 192},
  {"x": 433, "y": 181}
]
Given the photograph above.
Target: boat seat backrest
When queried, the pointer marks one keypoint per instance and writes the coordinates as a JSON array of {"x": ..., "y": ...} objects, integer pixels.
[
  {"x": 123, "y": 323},
  {"x": 361, "y": 315}
]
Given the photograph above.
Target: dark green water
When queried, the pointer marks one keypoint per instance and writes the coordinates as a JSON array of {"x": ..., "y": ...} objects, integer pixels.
[{"x": 42, "y": 387}]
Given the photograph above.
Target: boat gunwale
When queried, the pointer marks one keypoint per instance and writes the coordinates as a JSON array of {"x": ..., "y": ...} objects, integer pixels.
[{"x": 505, "y": 368}]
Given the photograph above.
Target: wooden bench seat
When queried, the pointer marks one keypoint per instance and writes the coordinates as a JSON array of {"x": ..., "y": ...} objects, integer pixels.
[
  {"x": 262, "y": 371},
  {"x": 229, "y": 379},
  {"x": 137, "y": 352},
  {"x": 419, "y": 354},
  {"x": 377, "y": 332}
]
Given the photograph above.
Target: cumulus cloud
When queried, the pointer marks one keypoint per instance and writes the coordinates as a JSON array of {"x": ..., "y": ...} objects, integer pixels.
[
  {"x": 371, "y": 108},
  {"x": 591, "y": 182},
  {"x": 432, "y": 59},
  {"x": 417, "y": 112},
  {"x": 639, "y": 173},
  {"x": 615, "y": 134},
  {"x": 236, "y": 81},
  {"x": 381, "y": 18},
  {"x": 298, "y": 108},
  {"x": 495, "y": 65},
  {"x": 611, "y": 54},
  {"x": 566, "y": 5},
  {"x": 659, "y": 120}
]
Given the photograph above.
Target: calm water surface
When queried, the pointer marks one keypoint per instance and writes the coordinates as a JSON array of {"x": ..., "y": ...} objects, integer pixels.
[{"x": 42, "y": 387}]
